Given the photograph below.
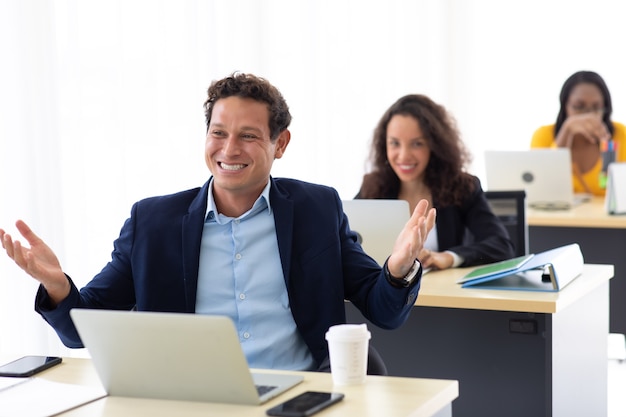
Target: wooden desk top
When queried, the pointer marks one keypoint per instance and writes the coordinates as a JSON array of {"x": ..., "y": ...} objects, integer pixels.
[
  {"x": 439, "y": 289},
  {"x": 379, "y": 396},
  {"x": 589, "y": 214}
]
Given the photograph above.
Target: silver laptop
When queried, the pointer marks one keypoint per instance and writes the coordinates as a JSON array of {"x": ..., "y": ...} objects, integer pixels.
[
  {"x": 545, "y": 175},
  {"x": 378, "y": 223},
  {"x": 174, "y": 356}
]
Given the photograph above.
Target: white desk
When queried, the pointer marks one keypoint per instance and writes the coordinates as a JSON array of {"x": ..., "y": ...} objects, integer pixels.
[
  {"x": 514, "y": 353},
  {"x": 587, "y": 215},
  {"x": 602, "y": 239},
  {"x": 379, "y": 396}
]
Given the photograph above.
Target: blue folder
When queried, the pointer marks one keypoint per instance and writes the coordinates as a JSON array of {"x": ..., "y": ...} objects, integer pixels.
[{"x": 551, "y": 270}]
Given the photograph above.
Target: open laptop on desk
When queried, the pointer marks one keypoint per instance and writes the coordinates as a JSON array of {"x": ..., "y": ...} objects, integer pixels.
[
  {"x": 378, "y": 223},
  {"x": 545, "y": 175},
  {"x": 174, "y": 356}
]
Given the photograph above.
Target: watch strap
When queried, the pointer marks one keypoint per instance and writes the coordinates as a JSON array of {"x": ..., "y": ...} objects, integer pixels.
[{"x": 405, "y": 281}]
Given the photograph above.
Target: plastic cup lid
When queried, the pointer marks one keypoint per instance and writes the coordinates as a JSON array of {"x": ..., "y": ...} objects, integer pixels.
[{"x": 348, "y": 331}]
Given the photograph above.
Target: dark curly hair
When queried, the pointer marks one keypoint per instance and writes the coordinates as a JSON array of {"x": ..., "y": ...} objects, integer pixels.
[
  {"x": 253, "y": 87},
  {"x": 584, "y": 77},
  {"x": 444, "y": 175}
]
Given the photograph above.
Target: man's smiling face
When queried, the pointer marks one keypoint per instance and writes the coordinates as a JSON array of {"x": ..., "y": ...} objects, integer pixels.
[{"x": 239, "y": 151}]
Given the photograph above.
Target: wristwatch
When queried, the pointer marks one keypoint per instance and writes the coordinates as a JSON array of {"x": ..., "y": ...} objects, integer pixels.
[{"x": 407, "y": 280}]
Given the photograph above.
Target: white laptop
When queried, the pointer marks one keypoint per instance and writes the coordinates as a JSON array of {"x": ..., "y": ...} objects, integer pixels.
[
  {"x": 378, "y": 223},
  {"x": 545, "y": 175},
  {"x": 174, "y": 356}
]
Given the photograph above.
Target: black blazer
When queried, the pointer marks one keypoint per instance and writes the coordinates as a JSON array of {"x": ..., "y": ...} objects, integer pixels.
[
  {"x": 155, "y": 260},
  {"x": 471, "y": 230}
]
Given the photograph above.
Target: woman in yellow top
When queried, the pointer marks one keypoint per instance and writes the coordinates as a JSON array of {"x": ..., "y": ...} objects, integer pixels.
[{"x": 584, "y": 126}]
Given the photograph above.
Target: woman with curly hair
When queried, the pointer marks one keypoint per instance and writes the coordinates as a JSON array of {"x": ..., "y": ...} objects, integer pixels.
[{"x": 417, "y": 153}]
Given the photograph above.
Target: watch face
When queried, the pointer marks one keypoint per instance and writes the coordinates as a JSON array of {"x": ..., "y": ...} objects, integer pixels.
[{"x": 412, "y": 273}]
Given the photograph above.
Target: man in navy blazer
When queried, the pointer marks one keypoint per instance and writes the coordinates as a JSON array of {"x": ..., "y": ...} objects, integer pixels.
[{"x": 164, "y": 258}]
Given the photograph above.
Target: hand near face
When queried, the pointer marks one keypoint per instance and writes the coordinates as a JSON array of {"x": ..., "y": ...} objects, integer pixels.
[
  {"x": 587, "y": 126},
  {"x": 410, "y": 241},
  {"x": 37, "y": 261}
]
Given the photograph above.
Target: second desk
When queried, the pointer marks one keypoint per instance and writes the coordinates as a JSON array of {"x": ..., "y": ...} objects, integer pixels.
[
  {"x": 602, "y": 240},
  {"x": 514, "y": 353}
]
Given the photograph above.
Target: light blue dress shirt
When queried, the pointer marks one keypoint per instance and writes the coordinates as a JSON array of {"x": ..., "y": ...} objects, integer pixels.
[{"x": 240, "y": 276}]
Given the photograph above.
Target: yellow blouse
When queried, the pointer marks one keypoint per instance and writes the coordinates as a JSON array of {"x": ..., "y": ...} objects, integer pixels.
[{"x": 544, "y": 138}]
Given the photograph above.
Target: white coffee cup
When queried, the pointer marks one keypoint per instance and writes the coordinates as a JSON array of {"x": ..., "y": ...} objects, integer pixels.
[{"x": 347, "y": 346}]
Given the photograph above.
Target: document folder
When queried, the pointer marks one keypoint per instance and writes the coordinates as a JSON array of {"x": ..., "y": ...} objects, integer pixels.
[
  {"x": 551, "y": 270},
  {"x": 489, "y": 270}
]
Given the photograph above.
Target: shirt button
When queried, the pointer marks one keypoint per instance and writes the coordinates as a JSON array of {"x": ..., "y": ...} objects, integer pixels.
[
  {"x": 238, "y": 256},
  {"x": 242, "y": 296},
  {"x": 246, "y": 335},
  {"x": 236, "y": 221}
]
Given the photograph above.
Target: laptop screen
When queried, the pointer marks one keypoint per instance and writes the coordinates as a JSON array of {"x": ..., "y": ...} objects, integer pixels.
[
  {"x": 378, "y": 223},
  {"x": 545, "y": 175},
  {"x": 189, "y": 357}
]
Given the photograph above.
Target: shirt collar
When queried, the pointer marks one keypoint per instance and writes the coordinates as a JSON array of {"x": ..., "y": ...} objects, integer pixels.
[{"x": 261, "y": 203}]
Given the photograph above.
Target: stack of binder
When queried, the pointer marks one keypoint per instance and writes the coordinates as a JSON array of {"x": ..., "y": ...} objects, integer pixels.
[{"x": 551, "y": 270}]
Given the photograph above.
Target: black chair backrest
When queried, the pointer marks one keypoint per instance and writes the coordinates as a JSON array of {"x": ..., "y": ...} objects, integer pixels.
[
  {"x": 510, "y": 207},
  {"x": 375, "y": 363}
]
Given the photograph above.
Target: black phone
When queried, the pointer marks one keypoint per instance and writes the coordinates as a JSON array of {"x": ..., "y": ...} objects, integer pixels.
[
  {"x": 305, "y": 404},
  {"x": 28, "y": 365}
]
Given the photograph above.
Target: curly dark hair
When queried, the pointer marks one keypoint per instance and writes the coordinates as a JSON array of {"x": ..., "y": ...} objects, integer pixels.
[
  {"x": 584, "y": 77},
  {"x": 253, "y": 87},
  {"x": 444, "y": 175}
]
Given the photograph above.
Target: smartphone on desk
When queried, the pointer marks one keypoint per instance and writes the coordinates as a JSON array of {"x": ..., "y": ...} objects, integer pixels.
[
  {"x": 305, "y": 404},
  {"x": 28, "y": 365}
]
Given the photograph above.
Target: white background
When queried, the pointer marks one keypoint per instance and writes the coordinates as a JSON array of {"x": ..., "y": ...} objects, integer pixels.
[{"x": 101, "y": 101}]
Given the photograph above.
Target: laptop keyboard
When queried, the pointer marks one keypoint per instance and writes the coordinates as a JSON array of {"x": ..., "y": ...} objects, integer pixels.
[{"x": 263, "y": 389}]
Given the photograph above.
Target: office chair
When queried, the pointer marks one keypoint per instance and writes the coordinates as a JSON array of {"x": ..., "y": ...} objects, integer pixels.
[
  {"x": 510, "y": 207},
  {"x": 375, "y": 363}
]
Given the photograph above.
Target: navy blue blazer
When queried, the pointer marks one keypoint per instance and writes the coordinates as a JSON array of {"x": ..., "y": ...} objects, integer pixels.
[{"x": 154, "y": 264}]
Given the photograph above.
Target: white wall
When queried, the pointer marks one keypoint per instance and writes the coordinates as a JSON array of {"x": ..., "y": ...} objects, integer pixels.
[{"x": 101, "y": 100}]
